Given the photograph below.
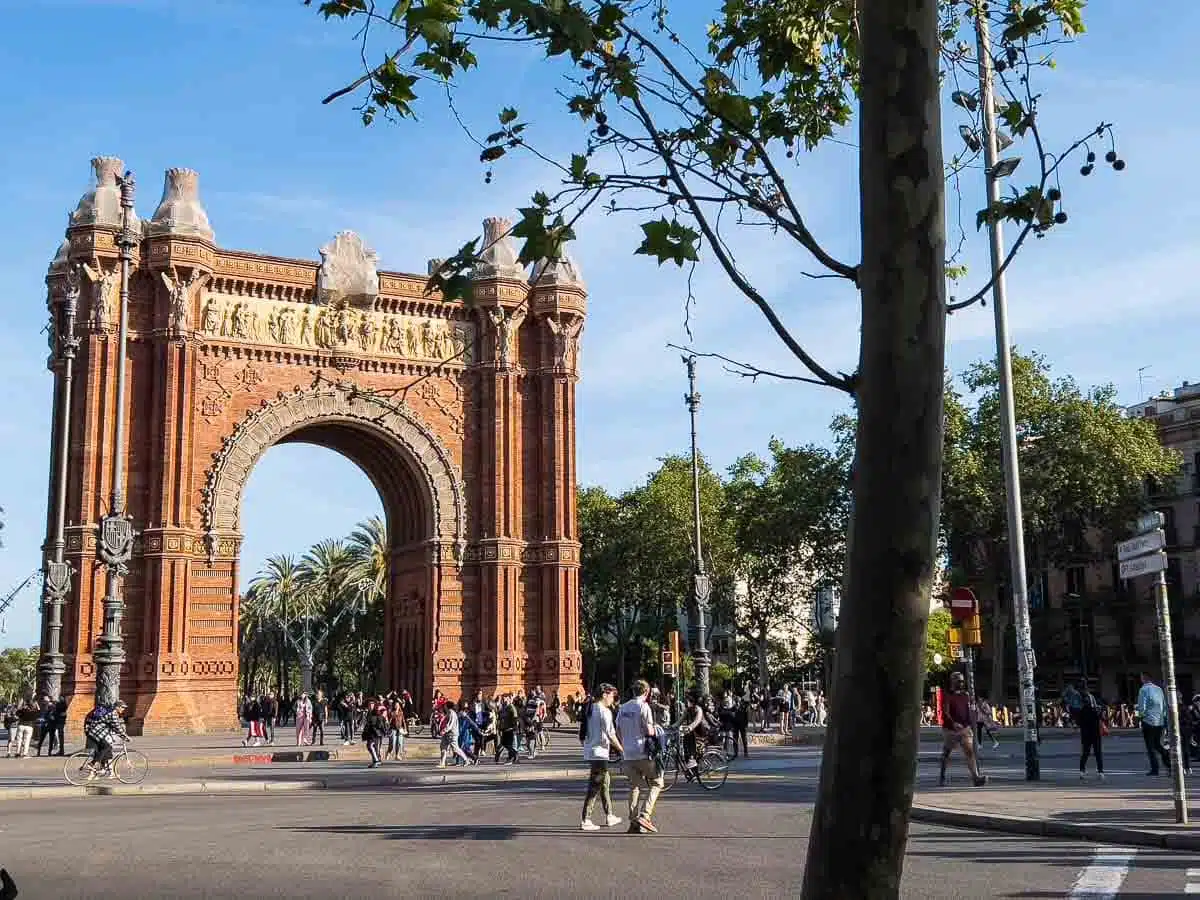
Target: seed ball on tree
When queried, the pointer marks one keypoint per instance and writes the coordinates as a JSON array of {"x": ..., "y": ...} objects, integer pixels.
[
  {"x": 1110, "y": 156},
  {"x": 1054, "y": 195},
  {"x": 1119, "y": 165},
  {"x": 1091, "y": 157},
  {"x": 1060, "y": 218}
]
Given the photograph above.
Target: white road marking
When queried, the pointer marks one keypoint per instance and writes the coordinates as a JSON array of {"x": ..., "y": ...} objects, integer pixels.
[{"x": 1105, "y": 875}]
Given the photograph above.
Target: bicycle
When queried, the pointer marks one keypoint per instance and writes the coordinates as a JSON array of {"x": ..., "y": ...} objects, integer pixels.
[
  {"x": 128, "y": 766},
  {"x": 712, "y": 768}
]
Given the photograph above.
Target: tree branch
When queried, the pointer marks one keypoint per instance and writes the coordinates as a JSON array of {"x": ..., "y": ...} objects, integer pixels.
[{"x": 826, "y": 377}]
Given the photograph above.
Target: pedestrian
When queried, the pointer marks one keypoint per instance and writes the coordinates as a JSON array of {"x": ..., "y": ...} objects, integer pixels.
[
  {"x": 599, "y": 741},
  {"x": 639, "y": 738},
  {"x": 303, "y": 721},
  {"x": 958, "y": 730},
  {"x": 27, "y": 716},
  {"x": 450, "y": 746},
  {"x": 320, "y": 710},
  {"x": 375, "y": 728},
  {"x": 507, "y": 727},
  {"x": 1090, "y": 717},
  {"x": 270, "y": 709},
  {"x": 398, "y": 730},
  {"x": 741, "y": 722},
  {"x": 1152, "y": 711},
  {"x": 983, "y": 722}
]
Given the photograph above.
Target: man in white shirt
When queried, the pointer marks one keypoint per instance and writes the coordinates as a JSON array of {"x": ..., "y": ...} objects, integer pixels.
[
  {"x": 601, "y": 739},
  {"x": 635, "y": 723}
]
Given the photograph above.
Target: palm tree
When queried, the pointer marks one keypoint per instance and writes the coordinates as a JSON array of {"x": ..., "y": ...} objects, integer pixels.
[
  {"x": 368, "y": 550},
  {"x": 274, "y": 595},
  {"x": 326, "y": 582},
  {"x": 369, "y": 554}
]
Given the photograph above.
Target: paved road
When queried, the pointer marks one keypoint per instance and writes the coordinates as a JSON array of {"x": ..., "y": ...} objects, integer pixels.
[{"x": 747, "y": 841}]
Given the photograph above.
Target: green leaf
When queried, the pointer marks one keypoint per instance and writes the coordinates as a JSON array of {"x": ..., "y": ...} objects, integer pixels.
[
  {"x": 508, "y": 115},
  {"x": 491, "y": 154},
  {"x": 669, "y": 240}
]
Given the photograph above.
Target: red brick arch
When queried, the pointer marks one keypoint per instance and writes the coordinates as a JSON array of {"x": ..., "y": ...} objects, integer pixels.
[{"x": 462, "y": 417}]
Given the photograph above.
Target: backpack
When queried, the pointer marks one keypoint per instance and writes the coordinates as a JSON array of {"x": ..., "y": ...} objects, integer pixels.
[{"x": 584, "y": 718}]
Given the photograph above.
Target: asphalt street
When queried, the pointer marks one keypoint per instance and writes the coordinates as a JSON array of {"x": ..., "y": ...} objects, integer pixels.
[{"x": 746, "y": 841}]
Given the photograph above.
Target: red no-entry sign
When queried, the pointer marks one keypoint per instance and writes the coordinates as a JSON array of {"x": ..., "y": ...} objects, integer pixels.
[{"x": 963, "y": 603}]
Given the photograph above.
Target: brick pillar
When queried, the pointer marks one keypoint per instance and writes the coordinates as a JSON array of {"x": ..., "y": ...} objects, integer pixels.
[
  {"x": 187, "y": 665},
  {"x": 501, "y": 297},
  {"x": 559, "y": 302}
]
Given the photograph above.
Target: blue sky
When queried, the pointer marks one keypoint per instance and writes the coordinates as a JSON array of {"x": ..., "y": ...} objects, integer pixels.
[{"x": 232, "y": 89}]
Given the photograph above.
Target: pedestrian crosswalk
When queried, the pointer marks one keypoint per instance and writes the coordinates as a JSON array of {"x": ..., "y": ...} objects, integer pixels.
[
  {"x": 1104, "y": 875},
  {"x": 1192, "y": 886}
]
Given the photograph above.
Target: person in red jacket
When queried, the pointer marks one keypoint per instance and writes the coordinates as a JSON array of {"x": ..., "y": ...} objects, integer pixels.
[{"x": 958, "y": 729}]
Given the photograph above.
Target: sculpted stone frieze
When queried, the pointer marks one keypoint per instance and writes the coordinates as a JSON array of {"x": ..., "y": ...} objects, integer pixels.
[{"x": 338, "y": 326}]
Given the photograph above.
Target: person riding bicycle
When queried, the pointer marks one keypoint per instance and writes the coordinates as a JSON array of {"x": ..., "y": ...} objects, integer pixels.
[
  {"x": 693, "y": 726},
  {"x": 102, "y": 725}
]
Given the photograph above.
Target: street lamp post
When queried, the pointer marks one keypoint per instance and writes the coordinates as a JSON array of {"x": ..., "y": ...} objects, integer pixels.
[
  {"x": 56, "y": 581},
  {"x": 701, "y": 583},
  {"x": 1012, "y": 477},
  {"x": 305, "y": 645},
  {"x": 115, "y": 540}
]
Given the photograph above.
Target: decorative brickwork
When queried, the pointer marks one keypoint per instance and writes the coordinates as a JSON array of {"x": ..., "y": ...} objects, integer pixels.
[{"x": 463, "y": 419}]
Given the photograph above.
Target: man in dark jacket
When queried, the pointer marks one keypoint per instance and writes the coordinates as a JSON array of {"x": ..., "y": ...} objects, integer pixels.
[{"x": 1089, "y": 716}]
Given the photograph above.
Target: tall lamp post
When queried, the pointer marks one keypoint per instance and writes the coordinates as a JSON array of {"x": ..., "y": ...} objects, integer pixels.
[
  {"x": 701, "y": 584},
  {"x": 994, "y": 172},
  {"x": 115, "y": 544},
  {"x": 307, "y": 645},
  {"x": 56, "y": 581}
]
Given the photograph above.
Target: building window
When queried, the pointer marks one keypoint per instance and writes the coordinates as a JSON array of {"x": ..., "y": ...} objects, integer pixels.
[{"x": 1076, "y": 580}]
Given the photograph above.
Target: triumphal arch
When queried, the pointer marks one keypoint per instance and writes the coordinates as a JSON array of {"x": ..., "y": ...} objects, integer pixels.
[{"x": 462, "y": 415}]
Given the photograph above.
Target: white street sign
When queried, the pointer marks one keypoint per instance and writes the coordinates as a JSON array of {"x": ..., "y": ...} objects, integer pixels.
[
  {"x": 1149, "y": 521},
  {"x": 1144, "y": 565},
  {"x": 1142, "y": 544}
]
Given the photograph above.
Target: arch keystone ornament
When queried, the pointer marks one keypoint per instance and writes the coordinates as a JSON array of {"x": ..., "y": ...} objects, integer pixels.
[{"x": 463, "y": 419}]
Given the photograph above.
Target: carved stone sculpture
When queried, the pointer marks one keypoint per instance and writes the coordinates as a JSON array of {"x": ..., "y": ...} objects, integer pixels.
[
  {"x": 506, "y": 326},
  {"x": 348, "y": 272},
  {"x": 210, "y": 318},
  {"x": 180, "y": 211},
  {"x": 180, "y": 294},
  {"x": 498, "y": 258},
  {"x": 104, "y": 285},
  {"x": 566, "y": 340}
]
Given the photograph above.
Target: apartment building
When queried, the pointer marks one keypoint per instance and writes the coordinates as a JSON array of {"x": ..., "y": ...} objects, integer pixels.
[{"x": 1085, "y": 618}]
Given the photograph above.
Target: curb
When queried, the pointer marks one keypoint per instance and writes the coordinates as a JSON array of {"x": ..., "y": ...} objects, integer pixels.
[
  {"x": 229, "y": 786},
  {"x": 1098, "y": 834},
  {"x": 351, "y": 782}
]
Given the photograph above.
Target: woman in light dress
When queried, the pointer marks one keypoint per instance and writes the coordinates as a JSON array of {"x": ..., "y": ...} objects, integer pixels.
[{"x": 303, "y": 721}]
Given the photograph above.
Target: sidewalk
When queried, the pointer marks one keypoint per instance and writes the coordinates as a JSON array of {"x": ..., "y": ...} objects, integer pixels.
[{"x": 1130, "y": 809}]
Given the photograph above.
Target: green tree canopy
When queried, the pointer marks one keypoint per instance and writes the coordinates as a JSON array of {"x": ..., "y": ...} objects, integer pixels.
[{"x": 1083, "y": 465}]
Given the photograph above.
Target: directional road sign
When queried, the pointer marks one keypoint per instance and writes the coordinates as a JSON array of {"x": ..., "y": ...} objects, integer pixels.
[
  {"x": 1141, "y": 545},
  {"x": 1144, "y": 565},
  {"x": 1149, "y": 521}
]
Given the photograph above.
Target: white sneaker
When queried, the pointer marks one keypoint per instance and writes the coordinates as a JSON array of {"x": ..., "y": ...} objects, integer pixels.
[
  {"x": 1101, "y": 776},
  {"x": 1082, "y": 776},
  {"x": 610, "y": 821},
  {"x": 995, "y": 744},
  {"x": 588, "y": 825}
]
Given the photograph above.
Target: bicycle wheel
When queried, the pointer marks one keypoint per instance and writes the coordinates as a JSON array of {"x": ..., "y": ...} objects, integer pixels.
[
  {"x": 77, "y": 767},
  {"x": 670, "y": 770},
  {"x": 713, "y": 770},
  {"x": 131, "y": 767}
]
